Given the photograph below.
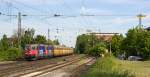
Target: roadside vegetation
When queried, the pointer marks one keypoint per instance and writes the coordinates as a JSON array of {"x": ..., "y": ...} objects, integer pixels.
[
  {"x": 107, "y": 67},
  {"x": 112, "y": 67},
  {"x": 9, "y": 47}
]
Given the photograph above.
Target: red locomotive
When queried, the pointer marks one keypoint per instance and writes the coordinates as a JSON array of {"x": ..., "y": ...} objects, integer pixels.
[{"x": 38, "y": 51}]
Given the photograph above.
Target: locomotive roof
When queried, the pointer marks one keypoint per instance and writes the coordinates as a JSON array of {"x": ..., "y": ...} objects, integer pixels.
[{"x": 55, "y": 46}]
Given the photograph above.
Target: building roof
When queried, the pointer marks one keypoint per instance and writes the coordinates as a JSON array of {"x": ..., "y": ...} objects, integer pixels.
[
  {"x": 104, "y": 33},
  {"x": 105, "y": 36}
]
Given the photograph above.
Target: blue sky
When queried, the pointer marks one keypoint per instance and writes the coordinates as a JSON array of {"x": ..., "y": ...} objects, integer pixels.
[{"x": 70, "y": 27}]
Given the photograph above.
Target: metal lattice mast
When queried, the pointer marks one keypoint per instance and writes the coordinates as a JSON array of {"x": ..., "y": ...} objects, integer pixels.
[
  {"x": 140, "y": 16},
  {"x": 48, "y": 36},
  {"x": 19, "y": 29}
]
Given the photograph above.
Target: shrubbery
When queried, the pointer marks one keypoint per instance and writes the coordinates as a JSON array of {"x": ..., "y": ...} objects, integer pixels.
[
  {"x": 98, "y": 49},
  {"x": 10, "y": 54}
]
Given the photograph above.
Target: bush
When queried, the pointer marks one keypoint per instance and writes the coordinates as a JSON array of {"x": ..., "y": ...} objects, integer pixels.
[
  {"x": 10, "y": 54},
  {"x": 14, "y": 53},
  {"x": 98, "y": 49}
]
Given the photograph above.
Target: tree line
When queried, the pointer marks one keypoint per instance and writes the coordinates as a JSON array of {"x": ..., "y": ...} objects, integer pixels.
[
  {"x": 9, "y": 47},
  {"x": 136, "y": 42},
  {"x": 90, "y": 44}
]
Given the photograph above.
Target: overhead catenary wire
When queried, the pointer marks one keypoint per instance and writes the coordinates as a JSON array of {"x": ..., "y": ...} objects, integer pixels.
[
  {"x": 30, "y": 7},
  {"x": 48, "y": 15},
  {"x": 66, "y": 16}
]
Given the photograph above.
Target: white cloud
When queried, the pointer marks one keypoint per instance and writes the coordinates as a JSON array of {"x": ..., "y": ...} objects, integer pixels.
[{"x": 94, "y": 11}]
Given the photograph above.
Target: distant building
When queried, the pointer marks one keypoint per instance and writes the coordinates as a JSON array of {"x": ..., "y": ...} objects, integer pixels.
[{"x": 105, "y": 36}]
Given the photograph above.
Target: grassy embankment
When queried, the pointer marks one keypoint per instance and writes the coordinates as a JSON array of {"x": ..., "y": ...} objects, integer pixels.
[{"x": 112, "y": 67}]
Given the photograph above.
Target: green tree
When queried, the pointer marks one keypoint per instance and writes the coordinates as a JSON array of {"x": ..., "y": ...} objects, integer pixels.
[
  {"x": 137, "y": 42},
  {"x": 14, "y": 37},
  {"x": 56, "y": 42},
  {"x": 40, "y": 39},
  {"x": 4, "y": 43},
  {"x": 143, "y": 48},
  {"x": 98, "y": 49},
  {"x": 49, "y": 42},
  {"x": 117, "y": 44},
  {"x": 130, "y": 44},
  {"x": 85, "y": 42},
  {"x": 27, "y": 38}
]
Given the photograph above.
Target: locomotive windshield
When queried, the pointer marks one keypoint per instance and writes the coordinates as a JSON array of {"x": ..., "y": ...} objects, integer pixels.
[
  {"x": 50, "y": 48},
  {"x": 41, "y": 48},
  {"x": 27, "y": 47},
  {"x": 33, "y": 47}
]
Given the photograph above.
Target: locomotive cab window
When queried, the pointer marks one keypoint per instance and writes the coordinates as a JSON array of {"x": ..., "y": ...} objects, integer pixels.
[
  {"x": 42, "y": 48},
  {"x": 33, "y": 48},
  {"x": 49, "y": 48},
  {"x": 27, "y": 48}
]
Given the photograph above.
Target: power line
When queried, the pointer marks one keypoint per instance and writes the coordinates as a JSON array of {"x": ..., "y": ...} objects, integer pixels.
[
  {"x": 10, "y": 4},
  {"x": 19, "y": 16},
  {"x": 22, "y": 4}
]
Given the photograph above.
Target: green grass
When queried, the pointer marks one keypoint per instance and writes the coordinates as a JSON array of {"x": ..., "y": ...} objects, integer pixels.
[
  {"x": 138, "y": 68},
  {"x": 107, "y": 67},
  {"x": 112, "y": 67}
]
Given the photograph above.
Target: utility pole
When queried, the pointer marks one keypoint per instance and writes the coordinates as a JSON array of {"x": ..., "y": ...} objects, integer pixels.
[
  {"x": 110, "y": 47},
  {"x": 56, "y": 37},
  {"x": 48, "y": 36},
  {"x": 19, "y": 15},
  {"x": 140, "y": 16},
  {"x": 57, "y": 31},
  {"x": 19, "y": 30}
]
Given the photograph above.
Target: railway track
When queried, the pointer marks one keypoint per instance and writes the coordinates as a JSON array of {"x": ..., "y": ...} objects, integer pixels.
[
  {"x": 82, "y": 68},
  {"x": 20, "y": 68},
  {"x": 55, "y": 67}
]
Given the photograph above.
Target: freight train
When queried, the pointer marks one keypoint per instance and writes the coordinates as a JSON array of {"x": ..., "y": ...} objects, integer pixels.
[{"x": 40, "y": 51}]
